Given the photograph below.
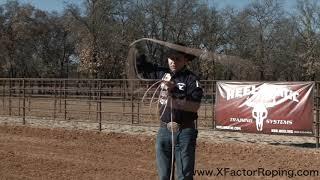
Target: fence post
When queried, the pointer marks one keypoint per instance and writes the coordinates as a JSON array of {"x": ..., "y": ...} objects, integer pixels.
[
  {"x": 100, "y": 108},
  {"x": 55, "y": 100},
  {"x": 205, "y": 85},
  {"x": 212, "y": 105},
  {"x": 10, "y": 93},
  {"x": 65, "y": 99},
  {"x": 96, "y": 97},
  {"x": 317, "y": 127},
  {"x": 132, "y": 104},
  {"x": 24, "y": 102},
  {"x": 123, "y": 98},
  {"x": 138, "y": 118},
  {"x": 89, "y": 94},
  {"x": 60, "y": 96},
  {"x": 19, "y": 98},
  {"x": 317, "y": 115},
  {"x": 3, "y": 95},
  {"x": 30, "y": 94}
]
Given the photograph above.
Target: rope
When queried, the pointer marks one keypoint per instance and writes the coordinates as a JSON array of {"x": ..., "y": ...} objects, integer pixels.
[
  {"x": 151, "y": 101},
  {"x": 144, "y": 95},
  {"x": 172, "y": 144},
  {"x": 150, "y": 104},
  {"x": 132, "y": 73},
  {"x": 131, "y": 64}
]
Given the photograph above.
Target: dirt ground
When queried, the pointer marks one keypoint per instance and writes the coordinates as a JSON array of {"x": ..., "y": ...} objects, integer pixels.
[{"x": 28, "y": 152}]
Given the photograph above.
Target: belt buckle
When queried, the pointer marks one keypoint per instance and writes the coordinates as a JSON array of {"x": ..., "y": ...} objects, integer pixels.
[{"x": 173, "y": 126}]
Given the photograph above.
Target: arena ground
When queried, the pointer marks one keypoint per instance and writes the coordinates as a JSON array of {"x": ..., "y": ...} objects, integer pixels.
[{"x": 38, "y": 152}]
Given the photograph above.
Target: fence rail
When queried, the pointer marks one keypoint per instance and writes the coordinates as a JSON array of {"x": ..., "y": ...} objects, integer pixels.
[
  {"x": 101, "y": 101},
  {"x": 98, "y": 101}
]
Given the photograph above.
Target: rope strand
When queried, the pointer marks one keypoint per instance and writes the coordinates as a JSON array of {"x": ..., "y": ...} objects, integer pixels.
[{"x": 172, "y": 143}]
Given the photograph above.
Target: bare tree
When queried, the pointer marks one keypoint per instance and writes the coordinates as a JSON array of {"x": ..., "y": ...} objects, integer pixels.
[
  {"x": 264, "y": 15},
  {"x": 308, "y": 29},
  {"x": 92, "y": 40}
]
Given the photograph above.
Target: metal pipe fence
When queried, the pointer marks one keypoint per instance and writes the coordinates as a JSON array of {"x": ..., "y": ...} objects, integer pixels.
[
  {"x": 102, "y": 101},
  {"x": 87, "y": 100}
]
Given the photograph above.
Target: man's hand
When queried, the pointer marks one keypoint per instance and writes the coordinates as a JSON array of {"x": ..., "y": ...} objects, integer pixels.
[{"x": 169, "y": 84}]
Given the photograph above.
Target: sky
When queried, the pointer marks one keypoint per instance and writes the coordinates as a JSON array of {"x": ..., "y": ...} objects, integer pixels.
[
  {"x": 287, "y": 4},
  {"x": 47, "y": 5},
  {"x": 57, "y": 5}
]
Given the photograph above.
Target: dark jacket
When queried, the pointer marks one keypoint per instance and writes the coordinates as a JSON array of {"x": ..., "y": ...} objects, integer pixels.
[{"x": 186, "y": 95}]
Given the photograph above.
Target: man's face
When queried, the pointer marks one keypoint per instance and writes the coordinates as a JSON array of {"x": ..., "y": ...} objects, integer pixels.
[{"x": 177, "y": 62}]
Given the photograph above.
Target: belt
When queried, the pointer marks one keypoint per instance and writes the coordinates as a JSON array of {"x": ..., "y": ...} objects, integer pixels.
[{"x": 190, "y": 124}]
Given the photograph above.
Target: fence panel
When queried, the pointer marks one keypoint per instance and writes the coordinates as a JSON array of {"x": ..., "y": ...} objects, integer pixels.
[
  {"x": 120, "y": 101},
  {"x": 99, "y": 101}
]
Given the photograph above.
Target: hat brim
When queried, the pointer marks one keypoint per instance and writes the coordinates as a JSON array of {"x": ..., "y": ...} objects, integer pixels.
[{"x": 174, "y": 53}]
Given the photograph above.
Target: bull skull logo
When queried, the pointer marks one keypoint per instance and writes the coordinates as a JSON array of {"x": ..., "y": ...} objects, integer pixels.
[
  {"x": 260, "y": 101},
  {"x": 259, "y": 113}
]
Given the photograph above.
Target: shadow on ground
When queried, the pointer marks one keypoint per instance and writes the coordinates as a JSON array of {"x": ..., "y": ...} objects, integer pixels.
[{"x": 301, "y": 145}]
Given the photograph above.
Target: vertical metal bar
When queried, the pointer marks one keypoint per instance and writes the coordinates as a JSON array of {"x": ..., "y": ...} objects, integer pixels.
[
  {"x": 10, "y": 94},
  {"x": 96, "y": 96},
  {"x": 19, "y": 98},
  {"x": 317, "y": 114},
  {"x": 3, "y": 95},
  {"x": 138, "y": 120},
  {"x": 89, "y": 94},
  {"x": 29, "y": 97},
  {"x": 132, "y": 104},
  {"x": 55, "y": 100},
  {"x": 317, "y": 128},
  {"x": 100, "y": 108},
  {"x": 212, "y": 104},
  {"x": 60, "y": 96},
  {"x": 65, "y": 99},
  {"x": 205, "y": 102},
  {"x": 123, "y": 98},
  {"x": 24, "y": 101}
]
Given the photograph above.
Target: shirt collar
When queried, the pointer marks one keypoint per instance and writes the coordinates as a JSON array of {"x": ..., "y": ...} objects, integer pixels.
[{"x": 182, "y": 70}]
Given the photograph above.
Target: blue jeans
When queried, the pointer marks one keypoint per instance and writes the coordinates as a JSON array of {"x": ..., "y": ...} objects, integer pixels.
[{"x": 185, "y": 145}]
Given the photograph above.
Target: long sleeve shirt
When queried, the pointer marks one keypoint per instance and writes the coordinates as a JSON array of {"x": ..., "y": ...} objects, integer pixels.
[{"x": 186, "y": 95}]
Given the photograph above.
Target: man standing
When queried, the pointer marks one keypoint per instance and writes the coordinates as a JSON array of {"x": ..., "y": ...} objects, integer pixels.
[{"x": 180, "y": 99}]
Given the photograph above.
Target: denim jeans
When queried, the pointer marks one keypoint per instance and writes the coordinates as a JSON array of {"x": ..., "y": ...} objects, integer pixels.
[{"x": 185, "y": 145}]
